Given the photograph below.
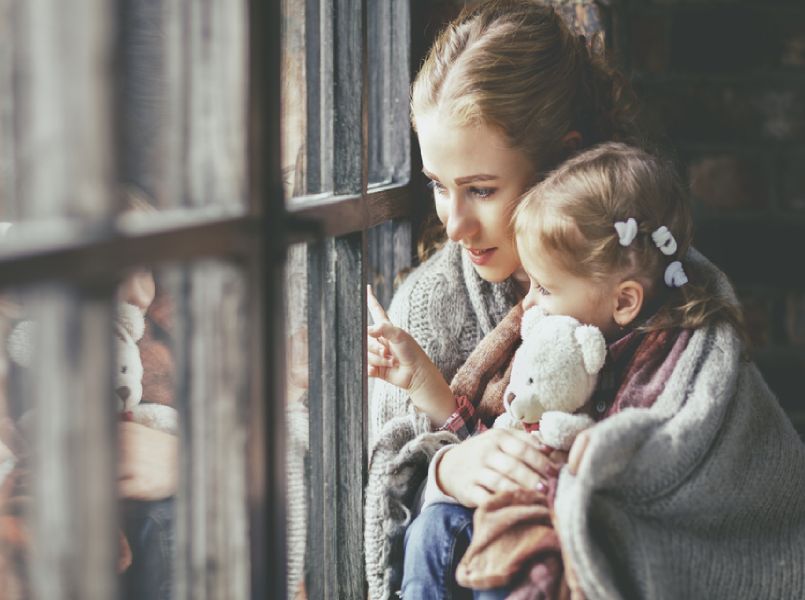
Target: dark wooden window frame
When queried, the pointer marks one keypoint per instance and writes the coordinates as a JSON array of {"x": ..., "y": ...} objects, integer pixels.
[{"x": 337, "y": 223}]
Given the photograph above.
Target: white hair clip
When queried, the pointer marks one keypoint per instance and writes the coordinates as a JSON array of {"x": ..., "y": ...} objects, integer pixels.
[
  {"x": 664, "y": 240},
  {"x": 627, "y": 231},
  {"x": 675, "y": 275}
]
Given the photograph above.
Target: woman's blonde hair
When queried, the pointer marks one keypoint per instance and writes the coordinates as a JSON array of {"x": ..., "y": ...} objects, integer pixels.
[
  {"x": 515, "y": 65},
  {"x": 572, "y": 216}
]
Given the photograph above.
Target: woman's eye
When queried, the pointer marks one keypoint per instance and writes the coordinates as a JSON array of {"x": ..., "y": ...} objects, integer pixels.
[
  {"x": 481, "y": 192},
  {"x": 436, "y": 187}
]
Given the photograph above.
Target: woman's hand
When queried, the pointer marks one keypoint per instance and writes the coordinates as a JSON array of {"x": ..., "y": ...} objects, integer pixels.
[
  {"x": 148, "y": 466},
  {"x": 496, "y": 460},
  {"x": 396, "y": 357}
]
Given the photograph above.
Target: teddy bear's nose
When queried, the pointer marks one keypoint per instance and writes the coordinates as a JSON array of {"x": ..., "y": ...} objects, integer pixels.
[
  {"x": 123, "y": 392},
  {"x": 510, "y": 397}
]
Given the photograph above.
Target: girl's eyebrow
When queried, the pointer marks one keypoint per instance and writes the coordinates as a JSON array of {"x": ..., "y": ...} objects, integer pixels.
[{"x": 464, "y": 180}]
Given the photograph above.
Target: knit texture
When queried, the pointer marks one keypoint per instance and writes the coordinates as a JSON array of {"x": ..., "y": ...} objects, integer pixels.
[
  {"x": 700, "y": 496},
  {"x": 448, "y": 309}
]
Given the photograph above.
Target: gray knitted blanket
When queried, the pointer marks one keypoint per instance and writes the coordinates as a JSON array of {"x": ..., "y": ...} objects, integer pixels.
[{"x": 700, "y": 496}]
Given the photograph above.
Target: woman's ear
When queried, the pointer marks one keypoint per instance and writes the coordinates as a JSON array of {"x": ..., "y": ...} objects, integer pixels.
[{"x": 629, "y": 302}]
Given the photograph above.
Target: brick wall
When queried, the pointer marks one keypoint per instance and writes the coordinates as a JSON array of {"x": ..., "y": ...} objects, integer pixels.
[{"x": 724, "y": 83}]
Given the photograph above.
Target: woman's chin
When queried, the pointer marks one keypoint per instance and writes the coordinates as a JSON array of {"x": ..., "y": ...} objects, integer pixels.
[{"x": 493, "y": 273}]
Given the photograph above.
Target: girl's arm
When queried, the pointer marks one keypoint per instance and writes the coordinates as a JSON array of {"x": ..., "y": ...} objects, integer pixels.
[{"x": 394, "y": 356}]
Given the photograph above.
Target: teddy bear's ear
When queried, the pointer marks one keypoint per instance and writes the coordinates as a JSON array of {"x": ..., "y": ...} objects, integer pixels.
[
  {"x": 131, "y": 319},
  {"x": 593, "y": 347},
  {"x": 530, "y": 319}
]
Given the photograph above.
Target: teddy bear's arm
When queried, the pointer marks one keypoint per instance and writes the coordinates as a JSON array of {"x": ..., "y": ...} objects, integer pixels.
[
  {"x": 559, "y": 429},
  {"x": 156, "y": 416}
]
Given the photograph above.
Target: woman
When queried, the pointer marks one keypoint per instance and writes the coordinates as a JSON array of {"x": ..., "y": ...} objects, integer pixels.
[{"x": 505, "y": 94}]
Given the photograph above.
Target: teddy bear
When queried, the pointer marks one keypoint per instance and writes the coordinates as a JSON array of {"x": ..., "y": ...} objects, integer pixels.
[
  {"x": 554, "y": 373},
  {"x": 129, "y": 329}
]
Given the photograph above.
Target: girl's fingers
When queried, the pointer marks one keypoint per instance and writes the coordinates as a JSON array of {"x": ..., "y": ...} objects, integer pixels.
[
  {"x": 376, "y": 346},
  {"x": 379, "y": 361},
  {"x": 386, "y": 330},
  {"x": 375, "y": 308}
]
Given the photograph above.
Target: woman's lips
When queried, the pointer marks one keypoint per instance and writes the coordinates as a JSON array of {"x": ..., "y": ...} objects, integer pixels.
[{"x": 480, "y": 256}]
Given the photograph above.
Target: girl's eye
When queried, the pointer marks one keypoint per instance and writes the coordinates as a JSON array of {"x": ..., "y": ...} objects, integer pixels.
[
  {"x": 480, "y": 192},
  {"x": 436, "y": 187},
  {"x": 542, "y": 290}
]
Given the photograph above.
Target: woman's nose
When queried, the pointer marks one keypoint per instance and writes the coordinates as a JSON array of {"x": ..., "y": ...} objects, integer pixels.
[{"x": 461, "y": 221}]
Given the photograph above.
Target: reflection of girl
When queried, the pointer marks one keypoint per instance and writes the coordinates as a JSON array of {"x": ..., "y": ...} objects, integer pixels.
[
  {"x": 604, "y": 239},
  {"x": 506, "y": 92}
]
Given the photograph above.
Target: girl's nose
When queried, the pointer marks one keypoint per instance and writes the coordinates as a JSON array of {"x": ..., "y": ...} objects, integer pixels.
[{"x": 461, "y": 222}]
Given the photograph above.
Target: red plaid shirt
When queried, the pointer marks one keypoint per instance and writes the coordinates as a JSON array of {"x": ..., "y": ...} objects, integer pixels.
[{"x": 464, "y": 422}]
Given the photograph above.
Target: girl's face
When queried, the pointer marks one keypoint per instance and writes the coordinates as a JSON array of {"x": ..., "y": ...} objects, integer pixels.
[
  {"x": 558, "y": 292},
  {"x": 477, "y": 180}
]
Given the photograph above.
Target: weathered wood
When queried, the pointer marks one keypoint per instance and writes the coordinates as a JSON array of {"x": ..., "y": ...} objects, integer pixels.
[
  {"x": 63, "y": 63},
  {"x": 267, "y": 482},
  {"x": 388, "y": 52},
  {"x": 216, "y": 66},
  {"x": 348, "y": 99},
  {"x": 74, "y": 544},
  {"x": 337, "y": 396},
  {"x": 212, "y": 524},
  {"x": 77, "y": 255},
  {"x": 8, "y": 157}
]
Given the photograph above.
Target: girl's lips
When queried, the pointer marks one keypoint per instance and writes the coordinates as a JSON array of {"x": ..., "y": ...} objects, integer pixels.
[{"x": 480, "y": 257}]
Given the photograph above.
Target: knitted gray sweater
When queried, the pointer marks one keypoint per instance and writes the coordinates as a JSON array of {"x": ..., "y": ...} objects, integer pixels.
[
  {"x": 448, "y": 309},
  {"x": 700, "y": 496}
]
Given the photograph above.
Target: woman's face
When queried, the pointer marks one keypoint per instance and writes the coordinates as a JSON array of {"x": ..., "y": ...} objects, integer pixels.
[{"x": 477, "y": 180}]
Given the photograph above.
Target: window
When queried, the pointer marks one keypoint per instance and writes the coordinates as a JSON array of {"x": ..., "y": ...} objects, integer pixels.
[
  {"x": 346, "y": 172},
  {"x": 142, "y": 139}
]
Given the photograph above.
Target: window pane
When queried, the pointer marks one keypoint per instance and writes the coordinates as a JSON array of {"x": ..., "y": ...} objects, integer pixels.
[
  {"x": 59, "y": 534},
  {"x": 388, "y": 47},
  {"x": 297, "y": 415},
  {"x": 183, "y": 105},
  {"x": 294, "y": 99},
  {"x": 56, "y": 111}
]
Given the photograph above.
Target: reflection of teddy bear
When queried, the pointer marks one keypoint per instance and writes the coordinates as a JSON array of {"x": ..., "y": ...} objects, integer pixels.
[
  {"x": 554, "y": 373},
  {"x": 129, "y": 329}
]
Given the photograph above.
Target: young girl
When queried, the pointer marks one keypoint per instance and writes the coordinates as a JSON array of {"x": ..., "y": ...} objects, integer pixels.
[{"x": 605, "y": 239}]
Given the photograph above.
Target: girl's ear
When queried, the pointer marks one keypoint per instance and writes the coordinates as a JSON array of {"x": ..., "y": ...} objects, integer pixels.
[{"x": 629, "y": 302}]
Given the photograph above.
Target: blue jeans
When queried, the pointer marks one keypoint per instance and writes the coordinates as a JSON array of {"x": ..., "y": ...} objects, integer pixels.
[
  {"x": 149, "y": 528},
  {"x": 434, "y": 544}
]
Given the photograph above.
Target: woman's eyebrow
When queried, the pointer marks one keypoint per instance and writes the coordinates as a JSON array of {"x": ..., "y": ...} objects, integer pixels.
[{"x": 464, "y": 180}]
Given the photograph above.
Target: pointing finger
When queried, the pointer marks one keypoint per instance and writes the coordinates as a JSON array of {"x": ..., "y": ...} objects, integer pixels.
[{"x": 375, "y": 308}]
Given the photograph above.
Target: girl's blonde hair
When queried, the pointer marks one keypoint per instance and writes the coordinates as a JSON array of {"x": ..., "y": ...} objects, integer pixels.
[
  {"x": 515, "y": 65},
  {"x": 572, "y": 215}
]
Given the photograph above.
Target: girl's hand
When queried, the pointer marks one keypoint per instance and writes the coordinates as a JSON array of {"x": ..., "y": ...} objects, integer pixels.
[
  {"x": 395, "y": 356},
  {"x": 148, "y": 467},
  {"x": 496, "y": 460}
]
